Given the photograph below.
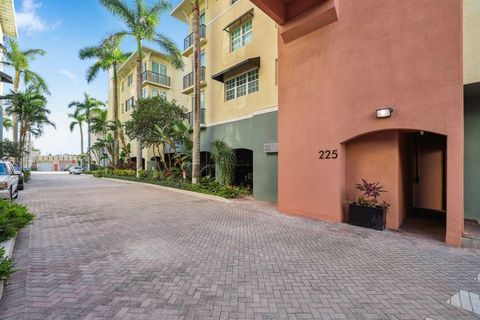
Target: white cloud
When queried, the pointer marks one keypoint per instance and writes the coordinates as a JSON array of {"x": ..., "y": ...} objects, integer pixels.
[
  {"x": 67, "y": 73},
  {"x": 28, "y": 19}
]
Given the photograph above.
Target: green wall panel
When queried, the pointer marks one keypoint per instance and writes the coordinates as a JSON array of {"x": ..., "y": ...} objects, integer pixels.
[
  {"x": 472, "y": 158},
  {"x": 251, "y": 133}
]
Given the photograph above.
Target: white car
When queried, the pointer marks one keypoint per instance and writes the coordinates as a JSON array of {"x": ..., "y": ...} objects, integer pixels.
[
  {"x": 75, "y": 170},
  {"x": 9, "y": 177}
]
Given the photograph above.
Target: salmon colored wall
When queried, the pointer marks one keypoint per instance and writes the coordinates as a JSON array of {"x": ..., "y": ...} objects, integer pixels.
[
  {"x": 378, "y": 54},
  {"x": 375, "y": 158}
]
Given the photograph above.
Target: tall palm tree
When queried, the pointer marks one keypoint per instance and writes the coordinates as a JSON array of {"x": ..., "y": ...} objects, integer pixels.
[
  {"x": 88, "y": 108},
  {"x": 20, "y": 60},
  {"x": 196, "y": 92},
  {"x": 29, "y": 109},
  {"x": 141, "y": 21},
  {"x": 78, "y": 119},
  {"x": 108, "y": 56}
]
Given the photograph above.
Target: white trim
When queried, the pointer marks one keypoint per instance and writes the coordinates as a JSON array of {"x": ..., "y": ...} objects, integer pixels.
[{"x": 263, "y": 111}]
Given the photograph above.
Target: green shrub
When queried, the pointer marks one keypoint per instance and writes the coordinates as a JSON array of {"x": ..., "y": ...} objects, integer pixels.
[
  {"x": 26, "y": 175},
  {"x": 13, "y": 217},
  {"x": 6, "y": 266},
  {"x": 122, "y": 172},
  {"x": 143, "y": 174},
  {"x": 98, "y": 174}
]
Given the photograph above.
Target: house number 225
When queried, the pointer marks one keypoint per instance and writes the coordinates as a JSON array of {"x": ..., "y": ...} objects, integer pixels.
[{"x": 328, "y": 154}]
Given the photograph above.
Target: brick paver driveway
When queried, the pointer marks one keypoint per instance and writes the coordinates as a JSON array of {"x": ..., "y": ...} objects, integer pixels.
[{"x": 101, "y": 250}]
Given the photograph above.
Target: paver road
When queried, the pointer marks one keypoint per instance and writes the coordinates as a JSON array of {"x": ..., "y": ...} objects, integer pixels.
[{"x": 108, "y": 250}]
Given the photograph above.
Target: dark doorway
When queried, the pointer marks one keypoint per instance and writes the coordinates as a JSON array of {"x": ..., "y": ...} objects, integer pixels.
[
  {"x": 207, "y": 166},
  {"x": 243, "y": 168},
  {"x": 133, "y": 163},
  {"x": 424, "y": 188}
]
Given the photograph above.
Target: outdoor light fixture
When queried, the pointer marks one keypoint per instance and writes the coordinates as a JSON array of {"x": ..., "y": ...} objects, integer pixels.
[{"x": 384, "y": 113}]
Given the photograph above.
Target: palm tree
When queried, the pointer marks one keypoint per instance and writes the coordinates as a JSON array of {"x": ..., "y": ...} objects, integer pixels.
[
  {"x": 141, "y": 21},
  {"x": 88, "y": 108},
  {"x": 78, "y": 119},
  {"x": 20, "y": 60},
  {"x": 100, "y": 126},
  {"x": 108, "y": 56},
  {"x": 196, "y": 92},
  {"x": 29, "y": 109}
]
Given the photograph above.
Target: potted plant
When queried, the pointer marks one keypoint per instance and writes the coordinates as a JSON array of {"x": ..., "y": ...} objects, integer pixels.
[{"x": 367, "y": 211}]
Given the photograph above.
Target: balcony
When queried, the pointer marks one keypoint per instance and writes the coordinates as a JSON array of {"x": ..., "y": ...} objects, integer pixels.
[
  {"x": 188, "y": 42},
  {"x": 189, "y": 80},
  {"x": 202, "y": 117},
  {"x": 156, "y": 78}
]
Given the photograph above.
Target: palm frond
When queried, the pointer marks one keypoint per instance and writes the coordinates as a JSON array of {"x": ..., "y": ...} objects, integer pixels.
[
  {"x": 93, "y": 71},
  {"x": 120, "y": 9},
  {"x": 170, "y": 49}
]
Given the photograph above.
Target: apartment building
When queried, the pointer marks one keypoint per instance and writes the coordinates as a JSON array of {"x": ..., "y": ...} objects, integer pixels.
[
  {"x": 159, "y": 78},
  {"x": 239, "y": 87},
  {"x": 383, "y": 87},
  {"x": 8, "y": 28}
]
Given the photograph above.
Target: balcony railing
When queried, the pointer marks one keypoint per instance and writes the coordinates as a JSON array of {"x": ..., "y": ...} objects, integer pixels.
[
  {"x": 188, "y": 42},
  {"x": 156, "y": 78},
  {"x": 189, "y": 78},
  {"x": 202, "y": 117}
]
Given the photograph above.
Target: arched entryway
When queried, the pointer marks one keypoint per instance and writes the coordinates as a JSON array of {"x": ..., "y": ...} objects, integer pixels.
[
  {"x": 243, "y": 168},
  {"x": 411, "y": 166},
  {"x": 207, "y": 166},
  {"x": 133, "y": 163}
]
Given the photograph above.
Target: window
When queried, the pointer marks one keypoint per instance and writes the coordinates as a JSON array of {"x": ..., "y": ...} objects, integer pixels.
[
  {"x": 156, "y": 93},
  {"x": 241, "y": 85},
  {"x": 241, "y": 36},
  {"x": 123, "y": 86},
  {"x": 202, "y": 100},
  {"x": 144, "y": 93},
  {"x": 130, "y": 80},
  {"x": 202, "y": 58},
  {"x": 159, "y": 68},
  {"x": 123, "y": 107},
  {"x": 129, "y": 104},
  {"x": 202, "y": 17}
]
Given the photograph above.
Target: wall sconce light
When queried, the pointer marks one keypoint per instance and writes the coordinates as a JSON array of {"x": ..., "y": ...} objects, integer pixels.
[{"x": 384, "y": 113}]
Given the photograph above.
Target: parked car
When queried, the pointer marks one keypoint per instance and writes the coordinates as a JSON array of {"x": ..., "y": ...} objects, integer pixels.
[
  {"x": 8, "y": 180},
  {"x": 21, "y": 177},
  {"x": 75, "y": 170}
]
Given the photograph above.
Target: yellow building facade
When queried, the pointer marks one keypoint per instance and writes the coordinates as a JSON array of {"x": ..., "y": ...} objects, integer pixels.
[
  {"x": 239, "y": 99},
  {"x": 159, "y": 78}
]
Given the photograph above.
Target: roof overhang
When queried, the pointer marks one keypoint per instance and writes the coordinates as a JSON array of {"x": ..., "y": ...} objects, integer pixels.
[
  {"x": 5, "y": 78},
  {"x": 7, "y": 18},
  {"x": 237, "y": 69},
  {"x": 182, "y": 10}
]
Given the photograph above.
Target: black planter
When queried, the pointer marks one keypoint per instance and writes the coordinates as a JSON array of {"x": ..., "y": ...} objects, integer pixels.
[{"x": 368, "y": 217}]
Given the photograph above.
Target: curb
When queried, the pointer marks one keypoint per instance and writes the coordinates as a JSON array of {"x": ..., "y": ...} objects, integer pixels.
[
  {"x": 8, "y": 245},
  {"x": 191, "y": 193}
]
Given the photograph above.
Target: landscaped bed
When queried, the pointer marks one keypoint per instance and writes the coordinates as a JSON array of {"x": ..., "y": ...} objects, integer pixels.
[
  {"x": 204, "y": 185},
  {"x": 13, "y": 217}
]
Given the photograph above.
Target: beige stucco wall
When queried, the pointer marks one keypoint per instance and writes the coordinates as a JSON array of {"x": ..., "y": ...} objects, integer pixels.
[
  {"x": 471, "y": 41},
  {"x": 174, "y": 92},
  {"x": 219, "y": 14}
]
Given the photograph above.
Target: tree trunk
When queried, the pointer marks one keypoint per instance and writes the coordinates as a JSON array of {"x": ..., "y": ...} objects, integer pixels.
[
  {"x": 116, "y": 144},
  {"x": 16, "y": 85},
  {"x": 139, "y": 96},
  {"x": 88, "y": 146},
  {"x": 196, "y": 93},
  {"x": 81, "y": 144}
]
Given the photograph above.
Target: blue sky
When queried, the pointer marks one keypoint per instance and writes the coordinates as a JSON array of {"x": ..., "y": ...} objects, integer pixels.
[{"x": 62, "y": 28}]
